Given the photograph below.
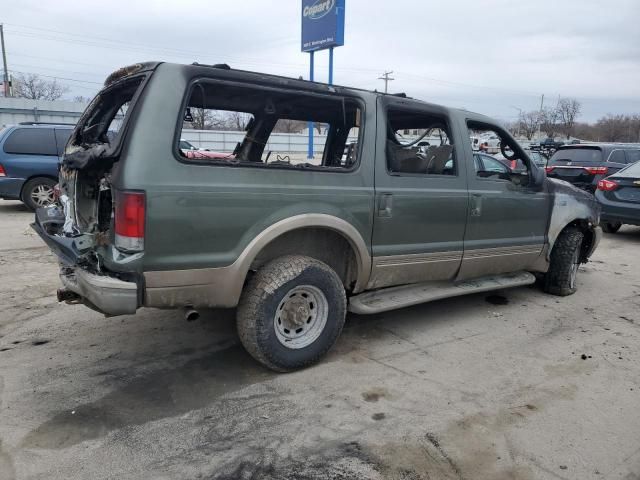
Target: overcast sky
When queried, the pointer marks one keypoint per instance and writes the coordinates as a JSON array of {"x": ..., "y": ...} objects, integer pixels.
[{"x": 490, "y": 56}]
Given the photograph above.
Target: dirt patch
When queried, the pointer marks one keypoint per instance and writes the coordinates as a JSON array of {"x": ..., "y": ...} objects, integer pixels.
[{"x": 375, "y": 394}]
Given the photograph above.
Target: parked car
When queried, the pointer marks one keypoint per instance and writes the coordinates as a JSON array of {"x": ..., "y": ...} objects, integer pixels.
[
  {"x": 29, "y": 157},
  {"x": 584, "y": 165},
  {"x": 619, "y": 196},
  {"x": 293, "y": 246}
]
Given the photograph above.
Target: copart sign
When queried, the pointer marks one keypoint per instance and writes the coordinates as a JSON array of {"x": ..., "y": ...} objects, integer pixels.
[{"x": 322, "y": 24}]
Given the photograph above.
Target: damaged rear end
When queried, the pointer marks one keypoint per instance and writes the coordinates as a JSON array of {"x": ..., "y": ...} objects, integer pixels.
[{"x": 96, "y": 226}]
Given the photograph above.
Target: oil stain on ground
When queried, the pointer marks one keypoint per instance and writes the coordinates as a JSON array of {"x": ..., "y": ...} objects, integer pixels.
[
  {"x": 162, "y": 393},
  {"x": 496, "y": 300}
]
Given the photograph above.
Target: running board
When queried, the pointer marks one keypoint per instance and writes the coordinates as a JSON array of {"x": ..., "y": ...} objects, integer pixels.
[{"x": 391, "y": 298}]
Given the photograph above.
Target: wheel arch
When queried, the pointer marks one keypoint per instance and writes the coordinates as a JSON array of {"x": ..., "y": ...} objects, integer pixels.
[{"x": 318, "y": 235}]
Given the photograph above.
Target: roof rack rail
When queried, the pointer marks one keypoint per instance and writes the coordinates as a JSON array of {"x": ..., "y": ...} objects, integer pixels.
[
  {"x": 46, "y": 123},
  {"x": 223, "y": 66}
]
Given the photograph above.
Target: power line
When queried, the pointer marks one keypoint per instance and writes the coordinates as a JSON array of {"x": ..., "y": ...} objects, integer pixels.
[{"x": 386, "y": 77}]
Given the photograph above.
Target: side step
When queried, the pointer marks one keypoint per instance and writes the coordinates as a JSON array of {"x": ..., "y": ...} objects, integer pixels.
[{"x": 391, "y": 298}]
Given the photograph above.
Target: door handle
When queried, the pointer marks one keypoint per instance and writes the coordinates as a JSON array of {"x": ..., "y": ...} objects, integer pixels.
[
  {"x": 476, "y": 205},
  {"x": 385, "y": 204}
]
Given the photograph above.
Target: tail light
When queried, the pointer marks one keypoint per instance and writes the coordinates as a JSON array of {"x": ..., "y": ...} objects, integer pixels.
[
  {"x": 607, "y": 185},
  {"x": 129, "y": 220},
  {"x": 549, "y": 169},
  {"x": 2, "y": 172},
  {"x": 596, "y": 170}
]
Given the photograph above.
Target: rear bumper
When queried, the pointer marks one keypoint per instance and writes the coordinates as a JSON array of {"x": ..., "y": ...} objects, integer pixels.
[
  {"x": 623, "y": 212},
  {"x": 10, "y": 188},
  {"x": 108, "y": 295}
]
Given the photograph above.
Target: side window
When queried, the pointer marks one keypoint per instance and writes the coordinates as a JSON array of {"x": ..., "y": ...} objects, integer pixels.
[
  {"x": 31, "y": 141},
  {"x": 633, "y": 156},
  {"x": 62, "y": 136},
  {"x": 617, "y": 156},
  {"x": 257, "y": 126},
  {"x": 497, "y": 154},
  {"x": 427, "y": 149},
  {"x": 493, "y": 166}
]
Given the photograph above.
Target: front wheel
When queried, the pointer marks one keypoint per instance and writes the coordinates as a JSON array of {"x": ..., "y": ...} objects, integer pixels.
[
  {"x": 610, "y": 227},
  {"x": 38, "y": 192},
  {"x": 565, "y": 259},
  {"x": 291, "y": 312}
]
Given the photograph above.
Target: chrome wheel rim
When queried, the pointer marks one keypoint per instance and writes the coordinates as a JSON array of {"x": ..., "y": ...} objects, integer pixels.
[
  {"x": 42, "y": 195},
  {"x": 301, "y": 316}
]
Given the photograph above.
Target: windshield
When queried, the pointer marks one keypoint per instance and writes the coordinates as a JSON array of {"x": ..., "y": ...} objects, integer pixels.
[
  {"x": 583, "y": 155},
  {"x": 184, "y": 145}
]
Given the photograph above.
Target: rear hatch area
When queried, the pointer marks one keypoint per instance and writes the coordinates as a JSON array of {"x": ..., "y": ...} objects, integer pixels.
[{"x": 81, "y": 229}]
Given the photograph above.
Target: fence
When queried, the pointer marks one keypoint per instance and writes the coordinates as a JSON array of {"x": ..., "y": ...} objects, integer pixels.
[{"x": 226, "y": 141}]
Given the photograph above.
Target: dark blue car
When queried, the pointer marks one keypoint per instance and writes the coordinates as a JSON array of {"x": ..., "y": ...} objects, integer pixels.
[{"x": 29, "y": 155}]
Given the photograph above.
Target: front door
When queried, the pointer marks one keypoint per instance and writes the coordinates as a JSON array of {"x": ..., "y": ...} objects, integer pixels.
[
  {"x": 421, "y": 196},
  {"x": 507, "y": 220}
]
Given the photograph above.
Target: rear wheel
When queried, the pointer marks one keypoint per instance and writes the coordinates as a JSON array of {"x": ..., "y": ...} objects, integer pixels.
[
  {"x": 611, "y": 227},
  {"x": 291, "y": 312},
  {"x": 38, "y": 192},
  {"x": 565, "y": 260}
]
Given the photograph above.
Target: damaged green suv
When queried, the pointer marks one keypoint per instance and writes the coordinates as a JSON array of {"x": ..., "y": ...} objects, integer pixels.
[{"x": 393, "y": 209}]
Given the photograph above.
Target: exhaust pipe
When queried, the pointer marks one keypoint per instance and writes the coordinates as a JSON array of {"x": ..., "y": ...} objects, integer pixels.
[
  {"x": 191, "y": 314},
  {"x": 67, "y": 296}
]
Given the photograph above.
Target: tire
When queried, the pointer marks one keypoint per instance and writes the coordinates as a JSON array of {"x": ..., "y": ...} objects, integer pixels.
[
  {"x": 565, "y": 259},
  {"x": 291, "y": 312},
  {"x": 610, "y": 227},
  {"x": 38, "y": 192}
]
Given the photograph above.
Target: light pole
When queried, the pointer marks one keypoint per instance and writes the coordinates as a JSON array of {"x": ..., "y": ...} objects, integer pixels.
[{"x": 519, "y": 117}]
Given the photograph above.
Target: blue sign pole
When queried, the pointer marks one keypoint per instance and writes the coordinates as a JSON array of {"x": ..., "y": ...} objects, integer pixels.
[
  {"x": 310, "y": 124},
  {"x": 331, "y": 66}
]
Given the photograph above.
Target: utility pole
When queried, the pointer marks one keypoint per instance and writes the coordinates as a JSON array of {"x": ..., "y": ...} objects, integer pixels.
[
  {"x": 385, "y": 76},
  {"x": 519, "y": 118},
  {"x": 540, "y": 116},
  {"x": 4, "y": 62}
]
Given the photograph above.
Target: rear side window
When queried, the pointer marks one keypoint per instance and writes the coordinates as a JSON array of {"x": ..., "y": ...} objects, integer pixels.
[
  {"x": 419, "y": 143},
  {"x": 260, "y": 126},
  {"x": 31, "y": 141},
  {"x": 617, "y": 156},
  {"x": 633, "y": 156}
]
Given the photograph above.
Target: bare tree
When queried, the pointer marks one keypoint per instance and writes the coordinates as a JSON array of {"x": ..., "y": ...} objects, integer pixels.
[
  {"x": 202, "y": 118},
  {"x": 81, "y": 99},
  {"x": 612, "y": 128},
  {"x": 32, "y": 86},
  {"x": 568, "y": 110},
  {"x": 529, "y": 123},
  {"x": 549, "y": 121}
]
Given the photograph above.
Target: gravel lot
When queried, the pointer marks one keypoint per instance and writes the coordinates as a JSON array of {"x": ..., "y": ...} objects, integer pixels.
[{"x": 513, "y": 385}]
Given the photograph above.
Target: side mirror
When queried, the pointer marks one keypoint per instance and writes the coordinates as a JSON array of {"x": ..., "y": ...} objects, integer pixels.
[{"x": 539, "y": 176}]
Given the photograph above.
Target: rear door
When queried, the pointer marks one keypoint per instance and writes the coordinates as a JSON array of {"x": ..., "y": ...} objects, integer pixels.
[{"x": 421, "y": 195}]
